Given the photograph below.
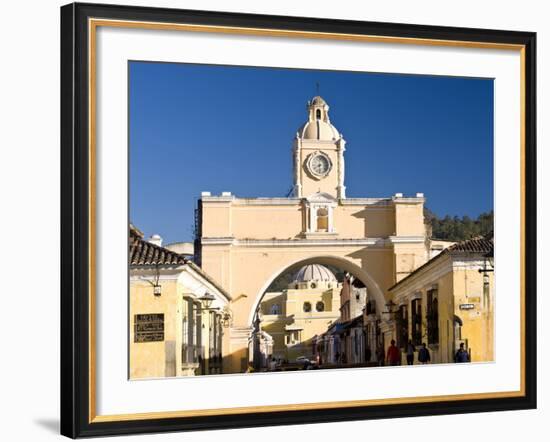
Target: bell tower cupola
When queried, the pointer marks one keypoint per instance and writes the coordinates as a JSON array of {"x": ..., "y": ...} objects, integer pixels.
[{"x": 318, "y": 154}]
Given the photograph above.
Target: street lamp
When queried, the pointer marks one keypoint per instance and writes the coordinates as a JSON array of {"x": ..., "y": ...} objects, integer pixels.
[
  {"x": 227, "y": 316},
  {"x": 207, "y": 300},
  {"x": 488, "y": 259},
  {"x": 157, "y": 289},
  {"x": 390, "y": 309}
]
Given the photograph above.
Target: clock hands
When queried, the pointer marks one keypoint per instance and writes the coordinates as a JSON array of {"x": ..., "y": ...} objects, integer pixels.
[{"x": 319, "y": 165}]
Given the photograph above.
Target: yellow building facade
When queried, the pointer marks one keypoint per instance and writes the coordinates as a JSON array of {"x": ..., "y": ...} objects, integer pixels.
[
  {"x": 448, "y": 301},
  {"x": 177, "y": 314},
  {"x": 294, "y": 317},
  {"x": 246, "y": 243}
]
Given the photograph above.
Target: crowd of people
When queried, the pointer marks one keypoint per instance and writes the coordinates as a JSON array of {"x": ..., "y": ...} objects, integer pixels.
[
  {"x": 393, "y": 354},
  {"x": 390, "y": 357}
]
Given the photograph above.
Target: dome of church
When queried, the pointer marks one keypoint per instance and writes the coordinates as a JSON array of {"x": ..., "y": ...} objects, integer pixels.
[
  {"x": 314, "y": 272},
  {"x": 318, "y": 101},
  {"x": 318, "y": 130}
]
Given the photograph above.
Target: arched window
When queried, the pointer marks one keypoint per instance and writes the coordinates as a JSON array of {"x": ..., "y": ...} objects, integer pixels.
[
  {"x": 307, "y": 307},
  {"x": 320, "y": 306},
  {"x": 275, "y": 309},
  {"x": 322, "y": 220},
  {"x": 318, "y": 114}
]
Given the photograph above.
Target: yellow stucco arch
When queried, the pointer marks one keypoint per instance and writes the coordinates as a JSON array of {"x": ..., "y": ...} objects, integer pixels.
[{"x": 337, "y": 261}]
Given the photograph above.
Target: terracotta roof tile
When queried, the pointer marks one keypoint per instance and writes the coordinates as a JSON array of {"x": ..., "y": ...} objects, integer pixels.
[
  {"x": 479, "y": 244},
  {"x": 143, "y": 253}
]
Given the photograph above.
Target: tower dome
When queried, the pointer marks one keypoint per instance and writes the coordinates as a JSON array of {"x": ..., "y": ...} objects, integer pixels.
[
  {"x": 318, "y": 126},
  {"x": 314, "y": 272}
]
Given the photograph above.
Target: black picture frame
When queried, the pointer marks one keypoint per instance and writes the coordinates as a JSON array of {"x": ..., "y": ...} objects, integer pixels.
[{"x": 75, "y": 221}]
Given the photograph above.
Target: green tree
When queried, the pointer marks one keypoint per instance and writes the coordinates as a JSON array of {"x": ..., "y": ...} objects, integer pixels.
[{"x": 456, "y": 228}]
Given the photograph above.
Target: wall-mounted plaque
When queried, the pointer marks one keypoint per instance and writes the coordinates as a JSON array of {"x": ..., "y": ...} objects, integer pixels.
[
  {"x": 149, "y": 327},
  {"x": 466, "y": 306}
]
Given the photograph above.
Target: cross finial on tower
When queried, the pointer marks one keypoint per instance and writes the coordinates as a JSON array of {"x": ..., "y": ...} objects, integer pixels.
[{"x": 317, "y": 85}]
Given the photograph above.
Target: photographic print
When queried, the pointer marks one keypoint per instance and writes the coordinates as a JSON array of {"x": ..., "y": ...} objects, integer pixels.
[
  {"x": 258, "y": 204},
  {"x": 295, "y": 220}
]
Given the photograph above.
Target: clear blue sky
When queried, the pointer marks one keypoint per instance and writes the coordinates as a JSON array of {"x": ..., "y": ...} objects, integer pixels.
[{"x": 217, "y": 128}]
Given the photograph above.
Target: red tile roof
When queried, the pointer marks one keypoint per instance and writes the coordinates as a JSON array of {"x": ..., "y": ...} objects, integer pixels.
[
  {"x": 143, "y": 253},
  {"x": 479, "y": 244}
]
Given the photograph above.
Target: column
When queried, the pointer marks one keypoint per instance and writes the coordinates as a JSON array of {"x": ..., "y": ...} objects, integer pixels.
[
  {"x": 297, "y": 168},
  {"x": 312, "y": 218},
  {"x": 341, "y": 191},
  {"x": 373, "y": 344}
]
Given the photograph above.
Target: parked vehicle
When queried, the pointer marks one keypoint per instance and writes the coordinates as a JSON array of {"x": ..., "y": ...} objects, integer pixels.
[{"x": 304, "y": 361}]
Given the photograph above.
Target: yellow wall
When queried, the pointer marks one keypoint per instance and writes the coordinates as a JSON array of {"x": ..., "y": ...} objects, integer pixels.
[
  {"x": 154, "y": 359},
  {"x": 409, "y": 219},
  {"x": 245, "y": 266},
  {"x": 311, "y": 324},
  {"x": 478, "y": 322},
  {"x": 236, "y": 218},
  {"x": 258, "y": 221},
  {"x": 457, "y": 283},
  {"x": 218, "y": 221},
  {"x": 364, "y": 221}
]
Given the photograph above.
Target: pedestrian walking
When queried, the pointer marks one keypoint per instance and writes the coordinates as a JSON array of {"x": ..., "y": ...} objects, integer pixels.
[
  {"x": 410, "y": 352},
  {"x": 393, "y": 356},
  {"x": 368, "y": 354},
  {"x": 423, "y": 354},
  {"x": 462, "y": 355}
]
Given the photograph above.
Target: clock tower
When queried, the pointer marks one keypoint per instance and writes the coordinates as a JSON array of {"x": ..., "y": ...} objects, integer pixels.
[{"x": 318, "y": 155}]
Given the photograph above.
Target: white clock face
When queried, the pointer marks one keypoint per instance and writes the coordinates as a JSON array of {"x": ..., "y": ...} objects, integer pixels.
[{"x": 319, "y": 165}]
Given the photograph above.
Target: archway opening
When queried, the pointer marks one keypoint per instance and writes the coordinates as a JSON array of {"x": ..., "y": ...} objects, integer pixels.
[{"x": 327, "y": 313}]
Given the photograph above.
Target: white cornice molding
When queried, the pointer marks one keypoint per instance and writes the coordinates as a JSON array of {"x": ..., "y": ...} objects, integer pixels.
[
  {"x": 385, "y": 202},
  {"x": 381, "y": 242},
  {"x": 326, "y": 241},
  {"x": 223, "y": 240},
  {"x": 144, "y": 273},
  {"x": 468, "y": 264},
  {"x": 279, "y": 201},
  {"x": 218, "y": 199},
  {"x": 407, "y": 239},
  {"x": 284, "y": 201},
  {"x": 199, "y": 284},
  {"x": 408, "y": 200}
]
